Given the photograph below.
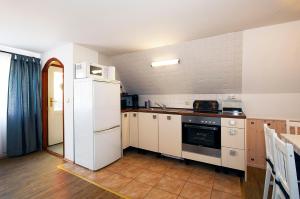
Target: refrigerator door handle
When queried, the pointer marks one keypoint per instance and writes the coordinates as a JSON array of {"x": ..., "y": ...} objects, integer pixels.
[{"x": 99, "y": 131}]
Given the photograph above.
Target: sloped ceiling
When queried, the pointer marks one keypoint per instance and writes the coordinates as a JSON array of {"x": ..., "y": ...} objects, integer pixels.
[{"x": 210, "y": 65}]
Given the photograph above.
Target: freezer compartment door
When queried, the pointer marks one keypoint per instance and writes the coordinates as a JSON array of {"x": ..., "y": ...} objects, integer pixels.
[
  {"x": 107, "y": 147},
  {"x": 107, "y": 110}
]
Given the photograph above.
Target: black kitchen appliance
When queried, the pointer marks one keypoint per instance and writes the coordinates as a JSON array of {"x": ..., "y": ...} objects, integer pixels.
[
  {"x": 208, "y": 106},
  {"x": 129, "y": 101},
  {"x": 202, "y": 135}
]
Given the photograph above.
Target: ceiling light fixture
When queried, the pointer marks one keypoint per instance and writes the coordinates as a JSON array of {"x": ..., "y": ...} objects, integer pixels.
[{"x": 164, "y": 63}]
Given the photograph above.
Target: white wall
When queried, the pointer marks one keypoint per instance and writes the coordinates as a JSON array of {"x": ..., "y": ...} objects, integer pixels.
[
  {"x": 271, "y": 59},
  {"x": 270, "y": 74},
  {"x": 84, "y": 54},
  {"x": 271, "y": 71},
  {"x": 70, "y": 54},
  {"x": 65, "y": 55},
  {"x": 209, "y": 65},
  {"x": 104, "y": 60}
]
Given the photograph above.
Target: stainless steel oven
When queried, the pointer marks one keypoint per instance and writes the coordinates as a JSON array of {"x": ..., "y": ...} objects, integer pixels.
[{"x": 201, "y": 135}]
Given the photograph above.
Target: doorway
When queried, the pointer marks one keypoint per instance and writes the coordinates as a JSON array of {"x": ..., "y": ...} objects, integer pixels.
[{"x": 53, "y": 107}]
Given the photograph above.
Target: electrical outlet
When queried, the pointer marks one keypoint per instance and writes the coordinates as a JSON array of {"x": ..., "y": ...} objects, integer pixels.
[{"x": 232, "y": 96}]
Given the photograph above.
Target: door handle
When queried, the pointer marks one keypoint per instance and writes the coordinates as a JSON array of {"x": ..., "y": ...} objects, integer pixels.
[{"x": 51, "y": 101}]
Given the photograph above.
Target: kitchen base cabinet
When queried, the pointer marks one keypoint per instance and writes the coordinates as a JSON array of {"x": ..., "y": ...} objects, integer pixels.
[
  {"x": 170, "y": 134},
  {"x": 133, "y": 129},
  {"x": 233, "y": 158},
  {"x": 233, "y": 143},
  {"x": 125, "y": 130},
  {"x": 148, "y": 131}
]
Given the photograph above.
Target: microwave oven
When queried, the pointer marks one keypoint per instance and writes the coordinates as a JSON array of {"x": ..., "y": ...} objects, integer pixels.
[
  {"x": 129, "y": 101},
  {"x": 95, "y": 71}
]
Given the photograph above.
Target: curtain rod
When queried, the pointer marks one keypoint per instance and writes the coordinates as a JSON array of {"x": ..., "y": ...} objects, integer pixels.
[{"x": 3, "y": 51}]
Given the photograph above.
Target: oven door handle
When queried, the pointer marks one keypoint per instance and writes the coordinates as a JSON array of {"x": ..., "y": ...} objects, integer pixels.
[{"x": 201, "y": 127}]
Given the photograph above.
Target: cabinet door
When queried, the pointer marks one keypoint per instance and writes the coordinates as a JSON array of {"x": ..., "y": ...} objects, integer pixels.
[
  {"x": 133, "y": 130},
  {"x": 125, "y": 130},
  {"x": 148, "y": 131},
  {"x": 170, "y": 134}
]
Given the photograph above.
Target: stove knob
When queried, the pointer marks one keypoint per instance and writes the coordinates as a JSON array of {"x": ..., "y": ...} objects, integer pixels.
[
  {"x": 209, "y": 122},
  {"x": 205, "y": 122},
  {"x": 190, "y": 120},
  {"x": 214, "y": 122}
]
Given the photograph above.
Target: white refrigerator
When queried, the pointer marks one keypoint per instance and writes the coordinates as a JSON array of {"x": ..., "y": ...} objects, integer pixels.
[{"x": 97, "y": 133}]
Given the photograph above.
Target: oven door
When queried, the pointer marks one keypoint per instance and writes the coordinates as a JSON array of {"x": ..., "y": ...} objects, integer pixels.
[{"x": 201, "y": 139}]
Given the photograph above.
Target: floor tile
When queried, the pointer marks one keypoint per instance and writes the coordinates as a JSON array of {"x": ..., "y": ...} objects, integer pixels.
[
  {"x": 131, "y": 171},
  {"x": 80, "y": 170},
  {"x": 149, "y": 177},
  {"x": 192, "y": 191},
  {"x": 117, "y": 167},
  {"x": 143, "y": 162},
  {"x": 202, "y": 169},
  {"x": 158, "y": 168},
  {"x": 182, "y": 165},
  {"x": 171, "y": 185},
  {"x": 228, "y": 183},
  {"x": 178, "y": 173},
  {"x": 206, "y": 180},
  {"x": 115, "y": 182},
  {"x": 222, "y": 195},
  {"x": 100, "y": 175},
  {"x": 160, "y": 194},
  {"x": 136, "y": 190}
]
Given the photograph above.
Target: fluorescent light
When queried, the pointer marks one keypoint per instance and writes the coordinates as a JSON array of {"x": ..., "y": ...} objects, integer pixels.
[{"x": 165, "y": 63}]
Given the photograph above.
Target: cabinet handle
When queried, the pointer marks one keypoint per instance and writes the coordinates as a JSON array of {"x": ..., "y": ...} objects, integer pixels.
[
  {"x": 232, "y": 153},
  {"x": 134, "y": 114},
  {"x": 232, "y": 131},
  {"x": 125, "y": 115},
  {"x": 252, "y": 159},
  {"x": 168, "y": 117},
  {"x": 154, "y": 117},
  {"x": 232, "y": 122},
  {"x": 252, "y": 122}
]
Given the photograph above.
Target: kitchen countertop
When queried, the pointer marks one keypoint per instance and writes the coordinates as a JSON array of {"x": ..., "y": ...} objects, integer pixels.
[{"x": 181, "y": 111}]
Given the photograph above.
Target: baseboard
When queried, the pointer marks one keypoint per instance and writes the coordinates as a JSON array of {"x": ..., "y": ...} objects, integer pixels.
[{"x": 2, "y": 156}]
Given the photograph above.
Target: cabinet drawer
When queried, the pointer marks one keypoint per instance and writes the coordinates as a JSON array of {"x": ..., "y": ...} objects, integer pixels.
[
  {"x": 231, "y": 122},
  {"x": 233, "y": 137},
  {"x": 233, "y": 158}
]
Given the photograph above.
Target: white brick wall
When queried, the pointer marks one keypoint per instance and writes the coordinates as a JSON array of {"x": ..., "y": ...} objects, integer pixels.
[
  {"x": 209, "y": 65},
  {"x": 183, "y": 100}
]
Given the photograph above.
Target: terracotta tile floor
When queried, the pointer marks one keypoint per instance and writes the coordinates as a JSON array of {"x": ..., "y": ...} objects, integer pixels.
[{"x": 147, "y": 176}]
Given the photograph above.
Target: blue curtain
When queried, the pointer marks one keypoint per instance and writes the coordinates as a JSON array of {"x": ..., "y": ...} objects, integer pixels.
[{"x": 24, "y": 124}]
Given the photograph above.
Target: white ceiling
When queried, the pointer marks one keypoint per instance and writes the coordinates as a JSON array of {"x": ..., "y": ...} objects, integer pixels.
[{"x": 118, "y": 26}]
